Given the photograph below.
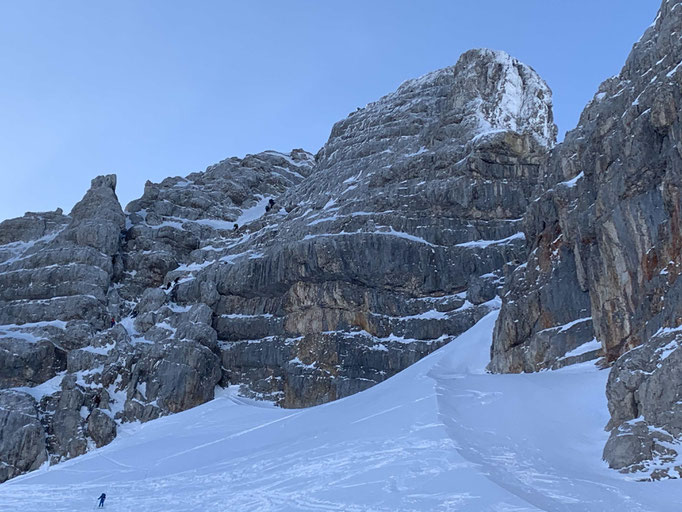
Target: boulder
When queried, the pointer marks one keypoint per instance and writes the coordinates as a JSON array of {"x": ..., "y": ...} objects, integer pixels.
[
  {"x": 644, "y": 393},
  {"x": 101, "y": 428}
]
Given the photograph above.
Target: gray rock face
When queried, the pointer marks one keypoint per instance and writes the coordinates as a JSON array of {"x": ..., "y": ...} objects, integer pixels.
[
  {"x": 546, "y": 313},
  {"x": 97, "y": 220},
  {"x": 29, "y": 362},
  {"x": 177, "y": 376},
  {"x": 300, "y": 279},
  {"x": 55, "y": 286},
  {"x": 182, "y": 222},
  {"x": 605, "y": 234},
  {"x": 66, "y": 426},
  {"x": 22, "y": 437}
]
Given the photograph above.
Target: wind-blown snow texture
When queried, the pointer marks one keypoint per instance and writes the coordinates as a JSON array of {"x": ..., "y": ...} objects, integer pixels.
[{"x": 441, "y": 435}]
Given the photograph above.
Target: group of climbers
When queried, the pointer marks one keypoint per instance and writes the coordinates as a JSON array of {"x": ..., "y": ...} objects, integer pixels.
[{"x": 174, "y": 282}]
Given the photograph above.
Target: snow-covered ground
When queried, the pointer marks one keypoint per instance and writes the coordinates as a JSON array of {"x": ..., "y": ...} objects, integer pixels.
[{"x": 441, "y": 435}]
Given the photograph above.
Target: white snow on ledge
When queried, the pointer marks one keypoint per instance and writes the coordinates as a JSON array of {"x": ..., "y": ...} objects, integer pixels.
[
  {"x": 664, "y": 352},
  {"x": 390, "y": 232},
  {"x": 487, "y": 243},
  {"x": 254, "y": 212},
  {"x": 583, "y": 349},
  {"x": 572, "y": 182},
  {"x": 418, "y": 152},
  {"x": 566, "y": 327},
  {"x": 48, "y": 387}
]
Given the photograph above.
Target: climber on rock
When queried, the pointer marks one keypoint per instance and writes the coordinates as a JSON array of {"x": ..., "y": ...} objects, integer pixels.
[
  {"x": 95, "y": 404},
  {"x": 174, "y": 291}
]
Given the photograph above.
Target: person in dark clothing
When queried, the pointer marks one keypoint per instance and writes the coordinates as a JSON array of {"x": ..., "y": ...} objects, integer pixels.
[
  {"x": 174, "y": 291},
  {"x": 113, "y": 321},
  {"x": 95, "y": 404},
  {"x": 235, "y": 227},
  {"x": 101, "y": 500}
]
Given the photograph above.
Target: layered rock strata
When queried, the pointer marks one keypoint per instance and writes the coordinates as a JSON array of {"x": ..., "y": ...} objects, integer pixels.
[{"x": 393, "y": 245}]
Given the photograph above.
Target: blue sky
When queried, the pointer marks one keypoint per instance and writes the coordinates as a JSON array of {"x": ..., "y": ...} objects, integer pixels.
[{"x": 162, "y": 88}]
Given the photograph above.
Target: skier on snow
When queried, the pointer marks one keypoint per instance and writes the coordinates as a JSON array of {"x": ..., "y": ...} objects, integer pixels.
[{"x": 101, "y": 500}]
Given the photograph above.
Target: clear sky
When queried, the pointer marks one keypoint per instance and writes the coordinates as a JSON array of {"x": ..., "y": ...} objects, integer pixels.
[{"x": 156, "y": 88}]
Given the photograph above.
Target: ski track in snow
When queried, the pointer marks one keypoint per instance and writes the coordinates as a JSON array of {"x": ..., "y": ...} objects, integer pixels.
[{"x": 440, "y": 436}]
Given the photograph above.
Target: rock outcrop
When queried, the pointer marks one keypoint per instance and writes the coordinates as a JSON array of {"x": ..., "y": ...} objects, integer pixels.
[
  {"x": 365, "y": 266},
  {"x": 300, "y": 279},
  {"x": 604, "y": 251},
  {"x": 22, "y": 437},
  {"x": 644, "y": 393}
]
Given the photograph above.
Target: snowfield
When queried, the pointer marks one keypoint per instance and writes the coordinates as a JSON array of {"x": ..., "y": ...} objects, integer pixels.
[{"x": 440, "y": 436}]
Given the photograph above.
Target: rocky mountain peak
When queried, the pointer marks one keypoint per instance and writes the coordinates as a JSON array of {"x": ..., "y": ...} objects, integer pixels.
[
  {"x": 97, "y": 219},
  {"x": 299, "y": 279},
  {"x": 106, "y": 181},
  {"x": 496, "y": 92},
  {"x": 485, "y": 94}
]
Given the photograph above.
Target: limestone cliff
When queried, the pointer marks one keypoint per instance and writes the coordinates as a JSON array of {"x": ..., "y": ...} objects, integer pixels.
[{"x": 604, "y": 250}]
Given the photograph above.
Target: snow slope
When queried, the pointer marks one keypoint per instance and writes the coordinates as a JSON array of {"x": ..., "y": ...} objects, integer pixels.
[{"x": 441, "y": 435}]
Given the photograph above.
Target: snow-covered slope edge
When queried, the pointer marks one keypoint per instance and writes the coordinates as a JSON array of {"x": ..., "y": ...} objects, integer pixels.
[{"x": 441, "y": 435}]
